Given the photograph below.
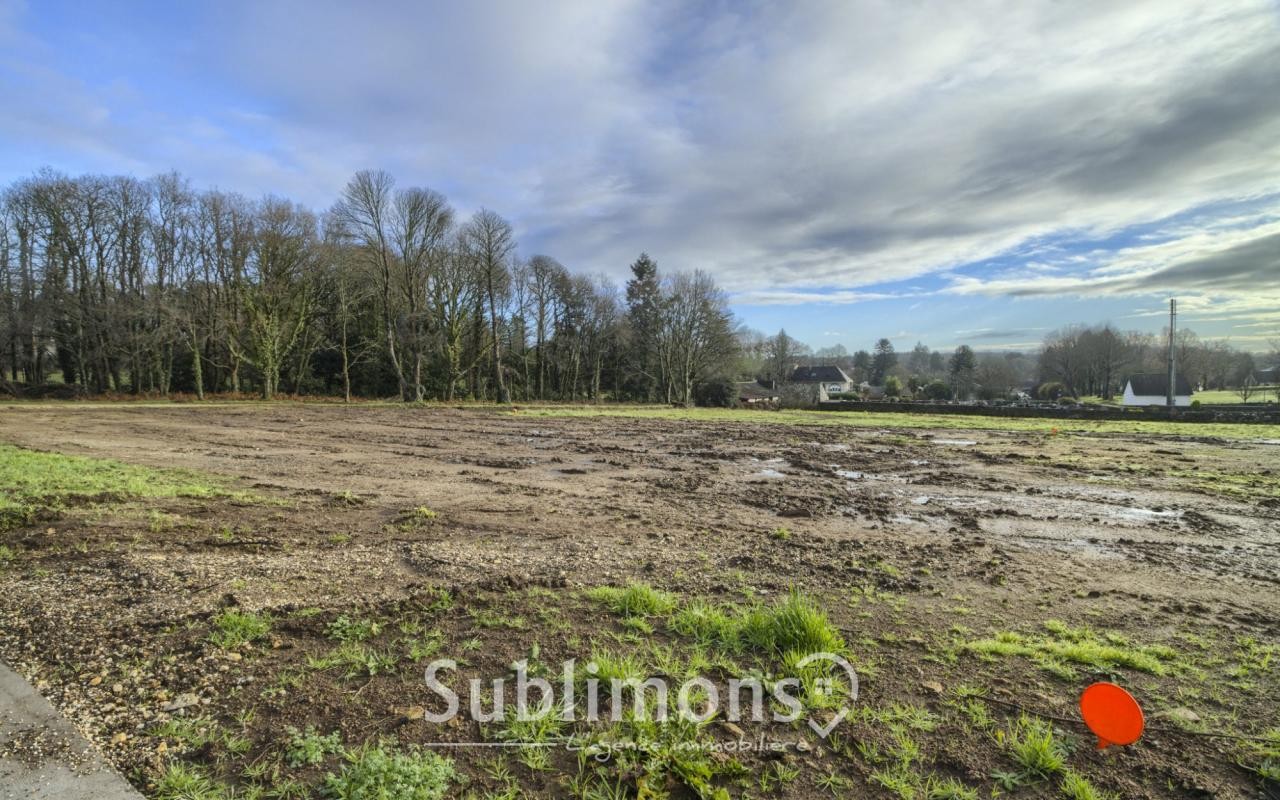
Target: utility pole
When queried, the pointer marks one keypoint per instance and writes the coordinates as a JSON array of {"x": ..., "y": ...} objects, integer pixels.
[{"x": 1170, "y": 397}]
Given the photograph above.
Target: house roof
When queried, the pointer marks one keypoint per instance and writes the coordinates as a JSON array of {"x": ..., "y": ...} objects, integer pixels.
[
  {"x": 819, "y": 375},
  {"x": 1157, "y": 384}
]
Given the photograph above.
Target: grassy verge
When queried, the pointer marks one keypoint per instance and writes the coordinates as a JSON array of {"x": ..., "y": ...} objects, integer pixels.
[
  {"x": 878, "y": 419},
  {"x": 31, "y": 481}
]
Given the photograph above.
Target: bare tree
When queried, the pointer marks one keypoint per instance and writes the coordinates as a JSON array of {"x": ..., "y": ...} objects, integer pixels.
[
  {"x": 696, "y": 333},
  {"x": 276, "y": 288},
  {"x": 365, "y": 210},
  {"x": 490, "y": 244}
]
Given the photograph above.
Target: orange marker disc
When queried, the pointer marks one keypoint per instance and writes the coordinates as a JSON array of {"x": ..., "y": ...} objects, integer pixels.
[{"x": 1112, "y": 714}]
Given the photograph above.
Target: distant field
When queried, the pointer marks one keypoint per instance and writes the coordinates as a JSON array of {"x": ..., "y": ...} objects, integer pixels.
[
  {"x": 1267, "y": 395},
  {"x": 1218, "y": 396},
  {"x": 877, "y": 419}
]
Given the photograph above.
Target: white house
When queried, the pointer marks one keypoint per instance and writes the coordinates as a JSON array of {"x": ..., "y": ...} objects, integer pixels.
[
  {"x": 832, "y": 380},
  {"x": 1152, "y": 389}
]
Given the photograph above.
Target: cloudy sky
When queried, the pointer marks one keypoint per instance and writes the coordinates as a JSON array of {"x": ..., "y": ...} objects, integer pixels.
[{"x": 948, "y": 172}]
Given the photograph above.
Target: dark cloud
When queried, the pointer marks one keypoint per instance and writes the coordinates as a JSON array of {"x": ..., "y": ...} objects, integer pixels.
[
  {"x": 796, "y": 150},
  {"x": 1249, "y": 267}
]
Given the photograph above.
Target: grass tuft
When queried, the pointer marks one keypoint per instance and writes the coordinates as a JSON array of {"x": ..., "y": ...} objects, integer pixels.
[
  {"x": 181, "y": 782},
  {"x": 236, "y": 628},
  {"x": 635, "y": 600},
  {"x": 796, "y": 625},
  {"x": 1075, "y": 787},
  {"x": 1066, "y": 645},
  {"x": 1035, "y": 748}
]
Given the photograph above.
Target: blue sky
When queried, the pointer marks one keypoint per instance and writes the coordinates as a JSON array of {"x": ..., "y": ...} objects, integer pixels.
[{"x": 939, "y": 172}]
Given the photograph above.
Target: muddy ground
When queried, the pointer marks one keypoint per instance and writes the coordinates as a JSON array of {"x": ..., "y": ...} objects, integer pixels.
[{"x": 917, "y": 543}]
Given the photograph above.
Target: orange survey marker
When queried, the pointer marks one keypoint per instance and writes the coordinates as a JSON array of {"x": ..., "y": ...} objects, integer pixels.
[{"x": 1112, "y": 714}]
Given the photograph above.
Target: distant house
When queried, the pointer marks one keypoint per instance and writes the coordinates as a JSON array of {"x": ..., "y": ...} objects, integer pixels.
[
  {"x": 1152, "y": 389},
  {"x": 870, "y": 392},
  {"x": 755, "y": 393},
  {"x": 831, "y": 380}
]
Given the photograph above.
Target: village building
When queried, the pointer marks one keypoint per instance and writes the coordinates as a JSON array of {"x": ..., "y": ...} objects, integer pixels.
[{"x": 1151, "y": 389}]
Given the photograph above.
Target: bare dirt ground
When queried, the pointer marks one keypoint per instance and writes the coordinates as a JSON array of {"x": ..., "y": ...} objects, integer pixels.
[{"x": 919, "y": 543}]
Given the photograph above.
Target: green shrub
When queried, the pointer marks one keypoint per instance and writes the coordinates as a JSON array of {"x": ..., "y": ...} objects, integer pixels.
[
  {"x": 936, "y": 390},
  {"x": 308, "y": 748}
]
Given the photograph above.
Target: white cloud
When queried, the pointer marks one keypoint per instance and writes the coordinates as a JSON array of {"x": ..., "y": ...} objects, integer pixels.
[{"x": 802, "y": 152}]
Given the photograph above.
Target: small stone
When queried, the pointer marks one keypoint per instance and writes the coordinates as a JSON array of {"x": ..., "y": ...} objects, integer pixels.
[
  {"x": 162, "y": 748},
  {"x": 411, "y": 712},
  {"x": 1180, "y": 714},
  {"x": 234, "y": 657},
  {"x": 95, "y": 680},
  {"x": 184, "y": 700},
  {"x": 120, "y": 738},
  {"x": 932, "y": 686},
  {"x": 733, "y": 730}
]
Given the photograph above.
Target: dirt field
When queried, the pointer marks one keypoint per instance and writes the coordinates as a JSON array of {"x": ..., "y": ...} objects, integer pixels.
[{"x": 973, "y": 575}]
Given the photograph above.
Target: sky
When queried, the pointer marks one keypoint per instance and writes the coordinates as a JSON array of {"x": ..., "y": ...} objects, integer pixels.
[{"x": 942, "y": 172}]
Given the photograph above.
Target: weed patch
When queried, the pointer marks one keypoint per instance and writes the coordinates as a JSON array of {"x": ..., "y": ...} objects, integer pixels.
[
  {"x": 386, "y": 773},
  {"x": 233, "y": 629},
  {"x": 1064, "y": 646}
]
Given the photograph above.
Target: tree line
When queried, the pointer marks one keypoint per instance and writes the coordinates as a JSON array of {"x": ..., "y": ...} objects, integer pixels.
[
  {"x": 1075, "y": 361},
  {"x": 1096, "y": 360},
  {"x": 119, "y": 284}
]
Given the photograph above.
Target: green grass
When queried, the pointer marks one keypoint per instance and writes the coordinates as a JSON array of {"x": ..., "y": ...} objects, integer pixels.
[
  {"x": 233, "y": 629},
  {"x": 355, "y": 659},
  {"x": 785, "y": 632},
  {"x": 181, "y": 782},
  {"x": 796, "y": 625},
  {"x": 1075, "y": 787},
  {"x": 1036, "y": 749},
  {"x": 31, "y": 480},
  {"x": 1260, "y": 395},
  {"x": 879, "y": 419},
  {"x": 1065, "y": 646},
  {"x": 636, "y": 600}
]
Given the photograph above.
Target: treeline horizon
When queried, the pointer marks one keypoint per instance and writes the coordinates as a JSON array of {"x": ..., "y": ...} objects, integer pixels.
[{"x": 151, "y": 286}]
